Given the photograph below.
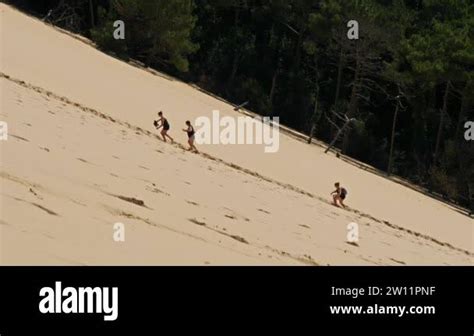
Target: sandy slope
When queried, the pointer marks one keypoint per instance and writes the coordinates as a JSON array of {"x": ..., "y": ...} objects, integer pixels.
[{"x": 81, "y": 145}]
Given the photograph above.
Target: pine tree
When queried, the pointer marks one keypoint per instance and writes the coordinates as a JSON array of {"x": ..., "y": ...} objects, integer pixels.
[{"x": 157, "y": 32}]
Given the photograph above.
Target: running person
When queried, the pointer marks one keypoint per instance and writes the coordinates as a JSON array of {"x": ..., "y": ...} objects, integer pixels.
[
  {"x": 339, "y": 195},
  {"x": 163, "y": 122},
  {"x": 190, "y": 131}
]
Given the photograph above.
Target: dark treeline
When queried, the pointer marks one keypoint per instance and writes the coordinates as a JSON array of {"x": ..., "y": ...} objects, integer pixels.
[{"x": 407, "y": 81}]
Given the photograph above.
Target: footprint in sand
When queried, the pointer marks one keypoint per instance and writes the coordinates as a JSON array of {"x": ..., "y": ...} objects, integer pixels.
[
  {"x": 155, "y": 190},
  {"x": 19, "y": 137},
  {"x": 132, "y": 200},
  {"x": 195, "y": 221},
  {"x": 235, "y": 237},
  {"x": 34, "y": 193},
  {"x": 234, "y": 215},
  {"x": 398, "y": 261},
  {"x": 39, "y": 206},
  {"x": 239, "y": 239}
]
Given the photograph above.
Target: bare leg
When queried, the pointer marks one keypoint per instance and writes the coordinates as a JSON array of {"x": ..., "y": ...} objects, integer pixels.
[
  {"x": 342, "y": 202},
  {"x": 191, "y": 146},
  {"x": 163, "y": 134},
  {"x": 334, "y": 200},
  {"x": 172, "y": 140}
]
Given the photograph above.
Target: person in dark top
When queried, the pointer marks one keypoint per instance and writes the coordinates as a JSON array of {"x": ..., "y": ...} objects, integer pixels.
[
  {"x": 162, "y": 122},
  {"x": 190, "y": 131},
  {"x": 339, "y": 195}
]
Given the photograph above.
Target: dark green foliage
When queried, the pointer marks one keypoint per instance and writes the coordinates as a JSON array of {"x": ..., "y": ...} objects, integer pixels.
[{"x": 157, "y": 32}]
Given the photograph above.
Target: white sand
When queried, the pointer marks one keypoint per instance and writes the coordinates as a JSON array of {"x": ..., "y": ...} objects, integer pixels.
[{"x": 63, "y": 166}]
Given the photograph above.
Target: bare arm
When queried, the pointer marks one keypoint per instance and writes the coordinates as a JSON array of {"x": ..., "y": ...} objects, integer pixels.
[{"x": 157, "y": 122}]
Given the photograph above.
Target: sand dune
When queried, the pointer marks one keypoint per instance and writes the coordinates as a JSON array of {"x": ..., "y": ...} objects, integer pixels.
[{"x": 82, "y": 155}]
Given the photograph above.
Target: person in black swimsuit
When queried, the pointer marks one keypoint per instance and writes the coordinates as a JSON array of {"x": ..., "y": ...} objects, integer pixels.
[
  {"x": 190, "y": 131},
  {"x": 339, "y": 195},
  {"x": 163, "y": 122}
]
